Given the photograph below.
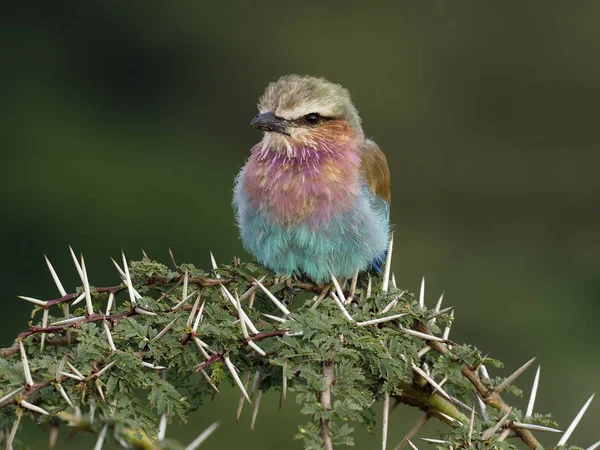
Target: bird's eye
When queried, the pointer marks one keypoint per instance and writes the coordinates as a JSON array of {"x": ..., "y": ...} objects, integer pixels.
[{"x": 312, "y": 118}]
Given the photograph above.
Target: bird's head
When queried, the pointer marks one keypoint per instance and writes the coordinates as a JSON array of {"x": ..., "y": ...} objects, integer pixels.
[{"x": 309, "y": 113}]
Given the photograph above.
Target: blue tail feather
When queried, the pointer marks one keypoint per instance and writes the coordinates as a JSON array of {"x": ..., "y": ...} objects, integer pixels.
[{"x": 378, "y": 262}]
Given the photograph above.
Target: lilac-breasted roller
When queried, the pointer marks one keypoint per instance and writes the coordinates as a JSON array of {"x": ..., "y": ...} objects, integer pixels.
[{"x": 313, "y": 198}]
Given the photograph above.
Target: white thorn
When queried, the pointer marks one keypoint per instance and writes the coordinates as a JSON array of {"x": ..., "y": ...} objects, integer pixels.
[
  {"x": 70, "y": 375},
  {"x": 252, "y": 289},
  {"x": 534, "y": 389},
  {"x": 338, "y": 289},
  {"x": 182, "y": 302},
  {"x": 422, "y": 294},
  {"x": 388, "y": 266},
  {"x": 394, "y": 281},
  {"x": 242, "y": 323},
  {"x": 244, "y": 329},
  {"x": 86, "y": 288},
  {"x": 200, "y": 439},
  {"x": 233, "y": 301},
  {"x": 111, "y": 299},
  {"x": 145, "y": 312},
  {"x": 297, "y": 333},
  {"x": 369, "y": 287},
  {"x": 69, "y": 321},
  {"x": 77, "y": 266},
  {"x": 594, "y": 446},
  {"x": 101, "y": 436},
  {"x": 13, "y": 431},
  {"x": 274, "y": 299},
  {"x": 353, "y": 285},
  {"x": 201, "y": 346},
  {"x": 202, "y": 343},
  {"x": 257, "y": 348},
  {"x": 255, "y": 410},
  {"x": 275, "y": 318},
  {"x": 504, "y": 434},
  {"x": 207, "y": 378},
  {"x": 471, "y": 423},
  {"x": 185, "y": 284},
  {"x": 193, "y": 311},
  {"x": 236, "y": 377},
  {"x": 385, "y": 420},
  {"x": 428, "y": 337},
  {"x": 128, "y": 281},
  {"x": 456, "y": 401},
  {"x": 255, "y": 382},
  {"x": 59, "y": 285},
  {"x": 484, "y": 372},
  {"x": 423, "y": 350},
  {"x": 11, "y": 394},
  {"x": 342, "y": 308},
  {"x": 438, "y": 305},
  {"x": 531, "y": 426},
  {"x": 575, "y": 422},
  {"x": 508, "y": 381},
  {"x": 121, "y": 273},
  {"x": 35, "y": 408},
  {"x": 431, "y": 381},
  {"x": 111, "y": 343},
  {"x": 318, "y": 299},
  {"x": 26, "y": 371},
  {"x": 213, "y": 262},
  {"x": 380, "y": 320},
  {"x": 447, "y": 417},
  {"x": 394, "y": 302},
  {"x": 483, "y": 408},
  {"x": 411, "y": 444},
  {"x": 44, "y": 325},
  {"x": 78, "y": 299},
  {"x": 162, "y": 427},
  {"x": 33, "y": 300},
  {"x": 283, "y": 383},
  {"x": 104, "y": 369},
  {"x": 435, "y": 441},
  {"x": 433, "y": 316},
  {"x": 99, "y": 387},
  {"x": 447, "y": 329},
  {"x": 62, "y": 391},
  {"x": 491, "y": 431},
  {"x": 77, "y": 372},
  {"x": 152, "y": 366},
  {"x": 198, "y": 317},
  {"x": 165, "y": 329}
]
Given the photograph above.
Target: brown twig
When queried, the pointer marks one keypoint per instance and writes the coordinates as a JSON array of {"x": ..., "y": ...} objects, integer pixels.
[
  {"x": 325, "y": 399},
  {"x": 488, "y": 396}
]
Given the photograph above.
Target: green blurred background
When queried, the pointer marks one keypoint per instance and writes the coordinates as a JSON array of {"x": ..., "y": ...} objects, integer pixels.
[{"x": 124, "y": 124}]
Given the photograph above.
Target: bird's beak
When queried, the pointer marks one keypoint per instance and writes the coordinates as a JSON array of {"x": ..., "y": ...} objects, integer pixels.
[{"x": 270, "y": 122}]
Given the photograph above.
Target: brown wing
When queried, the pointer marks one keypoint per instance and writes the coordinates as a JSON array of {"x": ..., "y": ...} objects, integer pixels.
[{"x": 375, "y": 171}]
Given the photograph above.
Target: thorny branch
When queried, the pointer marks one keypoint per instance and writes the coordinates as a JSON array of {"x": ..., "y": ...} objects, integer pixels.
[
  {"x": 488, "y": 396},
  {"x": 435, "y": 403}
]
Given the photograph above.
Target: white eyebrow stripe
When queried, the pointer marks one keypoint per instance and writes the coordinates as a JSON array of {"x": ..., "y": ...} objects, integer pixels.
[{"x": 304, "y": 109}]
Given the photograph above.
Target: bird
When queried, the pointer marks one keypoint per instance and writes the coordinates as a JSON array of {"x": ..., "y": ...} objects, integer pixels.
[{"x": 313, "y": 198}]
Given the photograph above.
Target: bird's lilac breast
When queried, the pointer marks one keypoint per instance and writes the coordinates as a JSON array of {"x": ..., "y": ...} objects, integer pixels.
[{"x": 311, "y": 187}]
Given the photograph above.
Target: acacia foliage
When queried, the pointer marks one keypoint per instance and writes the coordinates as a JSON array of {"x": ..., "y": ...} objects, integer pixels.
[{"x": 165, "y": 365}]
